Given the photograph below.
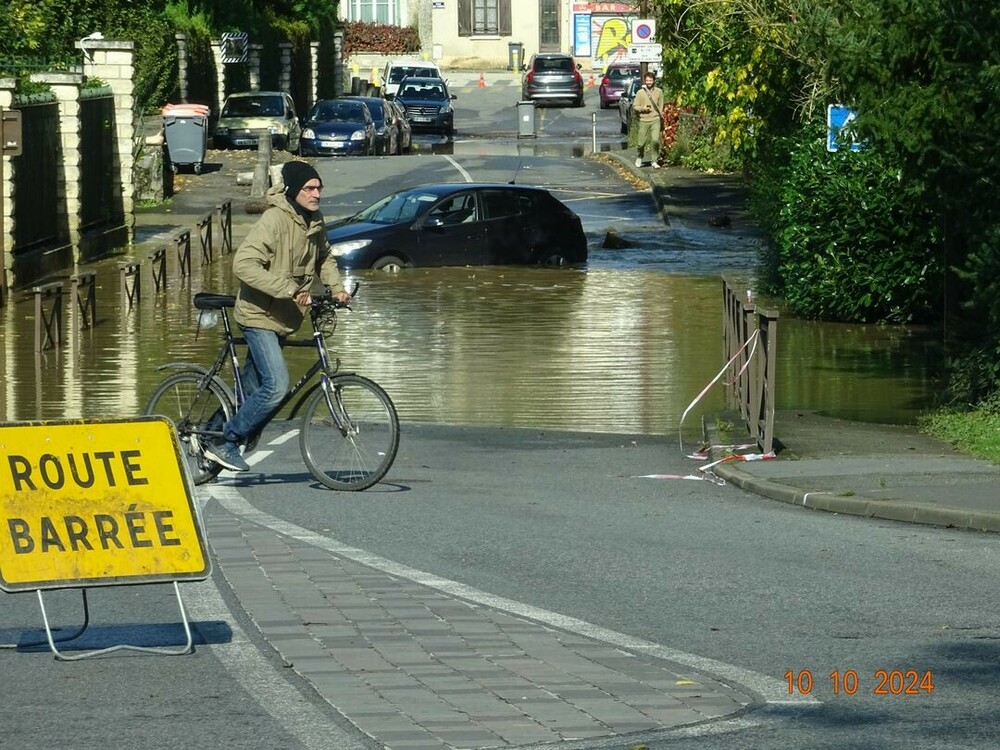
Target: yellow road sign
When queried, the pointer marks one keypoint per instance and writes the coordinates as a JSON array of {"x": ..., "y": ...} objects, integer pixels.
[{"x": 96, "y": 503}]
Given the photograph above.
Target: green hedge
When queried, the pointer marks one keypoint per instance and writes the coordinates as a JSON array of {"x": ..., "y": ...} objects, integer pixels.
[{"x": 849, "y": 241}]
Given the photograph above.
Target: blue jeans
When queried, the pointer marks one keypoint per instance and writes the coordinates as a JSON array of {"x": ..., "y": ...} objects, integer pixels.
[{"x": 265, "y": 382}]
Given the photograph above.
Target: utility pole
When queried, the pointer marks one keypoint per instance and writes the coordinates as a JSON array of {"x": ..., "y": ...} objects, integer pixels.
[{"x": 643, "y": 13}]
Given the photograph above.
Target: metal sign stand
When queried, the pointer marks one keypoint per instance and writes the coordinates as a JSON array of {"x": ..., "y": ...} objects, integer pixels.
[
  {"x": 187, "y": 648},
  {"x": 66, "y": 637}
]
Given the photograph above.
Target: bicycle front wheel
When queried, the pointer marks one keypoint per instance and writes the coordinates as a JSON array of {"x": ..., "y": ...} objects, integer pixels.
[
  {"x": 198, "y": 413},
  {"x": 350, "y": 433}
]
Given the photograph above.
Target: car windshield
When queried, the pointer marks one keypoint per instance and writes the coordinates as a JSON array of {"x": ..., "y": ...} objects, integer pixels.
[
  {"x": 337, "y": 112},
  {"x": 397, "y": 208},
  {"x": 553, "y": 65},
  {"x": 423, "y": 91},
  {"x": 397, "y": 74},
  {"x": 254, "y": 106},
  {"x": 620, "y": 74}
]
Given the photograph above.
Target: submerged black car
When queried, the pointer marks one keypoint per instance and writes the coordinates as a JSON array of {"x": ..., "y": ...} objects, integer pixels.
[{"x": 460, "y": 224}]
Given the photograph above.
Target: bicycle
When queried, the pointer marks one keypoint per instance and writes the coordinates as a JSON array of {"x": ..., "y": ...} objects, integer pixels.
[{"x": 349, "y": 432}]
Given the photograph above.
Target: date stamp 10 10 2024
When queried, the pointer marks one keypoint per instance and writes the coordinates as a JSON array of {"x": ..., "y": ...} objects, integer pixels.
[{"x": 849, "y": 682}]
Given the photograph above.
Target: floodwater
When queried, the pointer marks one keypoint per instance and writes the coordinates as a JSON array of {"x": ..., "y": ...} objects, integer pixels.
[{"x": 624, "y": 346}]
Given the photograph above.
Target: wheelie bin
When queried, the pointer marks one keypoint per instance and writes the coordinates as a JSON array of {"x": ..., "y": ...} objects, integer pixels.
[{"x": 185, "y": 129}]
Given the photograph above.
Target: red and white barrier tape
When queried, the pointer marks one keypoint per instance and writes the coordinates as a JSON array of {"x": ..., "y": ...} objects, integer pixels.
[{"x": 751, "y": 340}]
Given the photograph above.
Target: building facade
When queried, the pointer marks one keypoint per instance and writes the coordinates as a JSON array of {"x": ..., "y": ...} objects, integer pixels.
[{"x": 495, "y": 33}]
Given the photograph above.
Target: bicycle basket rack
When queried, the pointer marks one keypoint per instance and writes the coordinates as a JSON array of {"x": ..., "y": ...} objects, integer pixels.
[{"x": 324, "y": 317}]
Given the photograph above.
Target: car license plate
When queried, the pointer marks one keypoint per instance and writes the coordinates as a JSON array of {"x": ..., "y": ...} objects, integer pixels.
[
  {"x": 245, "y": 142},
  {"x": 418, "y": 118}
]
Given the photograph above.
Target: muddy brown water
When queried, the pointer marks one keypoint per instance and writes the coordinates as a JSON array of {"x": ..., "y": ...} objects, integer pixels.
[{"x": 606, "y": 349}]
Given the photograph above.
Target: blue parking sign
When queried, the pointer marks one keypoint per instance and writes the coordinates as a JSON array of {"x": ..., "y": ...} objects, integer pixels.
[{"x": 838, "y": 120}]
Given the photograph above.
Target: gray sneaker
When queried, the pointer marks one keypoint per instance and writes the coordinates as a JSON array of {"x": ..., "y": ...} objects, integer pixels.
[{"x": 227, "y": 455}]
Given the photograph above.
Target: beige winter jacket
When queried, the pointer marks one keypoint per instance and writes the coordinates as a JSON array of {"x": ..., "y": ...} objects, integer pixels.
[
  {"x": 280, "y": 255},
  {"x": 648, "y": 104}
]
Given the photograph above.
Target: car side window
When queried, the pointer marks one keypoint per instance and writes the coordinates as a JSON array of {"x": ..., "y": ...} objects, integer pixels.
[
  {"x": 456, "y": 209},
  {"x": 499, "y": 203}
]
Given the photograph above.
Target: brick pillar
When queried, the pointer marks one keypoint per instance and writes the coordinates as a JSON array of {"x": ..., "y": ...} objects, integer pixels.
[
  {"x": 220, "y": 76},
  {"x": 66, "y": 88},
  {"x": 6, "y": 200},
  {"x": 285, "y": 77},
  {"x": 254, "y": 57},
  {"x": 182, "y": 65},
  {"x": 114, "y": 63}
]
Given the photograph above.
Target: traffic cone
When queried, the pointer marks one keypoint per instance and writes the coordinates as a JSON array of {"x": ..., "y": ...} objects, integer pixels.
[
  {"x": 482, "y": 81},
  {"x": 590, "y": 82}
]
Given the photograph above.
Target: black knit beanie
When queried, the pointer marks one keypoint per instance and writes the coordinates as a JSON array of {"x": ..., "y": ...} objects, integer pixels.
[{"x": 295, "y": 174}]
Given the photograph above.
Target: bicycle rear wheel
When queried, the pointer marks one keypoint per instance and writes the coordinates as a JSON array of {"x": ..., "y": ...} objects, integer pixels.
[
  {"x": 350, "y": 433},
  {"x": 197, "y": 413}
]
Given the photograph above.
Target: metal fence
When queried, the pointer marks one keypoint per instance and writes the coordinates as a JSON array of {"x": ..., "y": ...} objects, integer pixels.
[{"x": 751, "y": 346}]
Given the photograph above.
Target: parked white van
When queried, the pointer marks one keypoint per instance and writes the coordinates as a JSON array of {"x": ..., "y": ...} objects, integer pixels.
[{"x": 396, "y": 70}]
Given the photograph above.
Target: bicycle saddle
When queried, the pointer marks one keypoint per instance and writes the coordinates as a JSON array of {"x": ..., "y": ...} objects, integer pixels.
[{"x": 213, "y": 300}]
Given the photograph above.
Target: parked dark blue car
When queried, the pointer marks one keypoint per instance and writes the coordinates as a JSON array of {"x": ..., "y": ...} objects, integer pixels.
[
  {"x": 428, "y": 105},
  {"x": 338, "y": 127},
  {"x": 460, "y": 224},
  {"x": 386, "y": 129}
]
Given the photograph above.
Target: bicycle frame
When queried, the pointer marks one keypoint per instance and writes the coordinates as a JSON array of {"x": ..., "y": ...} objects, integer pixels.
[{"x": 228, "y": 355}]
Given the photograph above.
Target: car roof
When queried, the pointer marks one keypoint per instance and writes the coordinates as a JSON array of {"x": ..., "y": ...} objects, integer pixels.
[
  {"x": 443, "y": 188},
  {"x": 429, "y": 79},
  {"x": 241, "y": 94}
]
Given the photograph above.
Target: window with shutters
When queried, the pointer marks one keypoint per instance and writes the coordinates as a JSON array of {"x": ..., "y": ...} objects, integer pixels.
[{"x": 484, "y": 17}]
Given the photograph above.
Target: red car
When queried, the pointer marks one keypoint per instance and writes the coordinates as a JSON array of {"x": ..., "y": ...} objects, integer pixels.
[{"x": 615, "y": 79}]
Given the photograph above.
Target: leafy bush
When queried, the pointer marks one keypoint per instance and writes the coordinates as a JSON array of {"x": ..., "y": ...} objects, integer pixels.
[
  {"x": 694, "y": 144},
  {"x": 852, "y": 242},
  {"x": 379, "y": 38}
]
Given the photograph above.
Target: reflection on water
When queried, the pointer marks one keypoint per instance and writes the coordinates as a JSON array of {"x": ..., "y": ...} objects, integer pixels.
[{"x": 608, "y": 349}]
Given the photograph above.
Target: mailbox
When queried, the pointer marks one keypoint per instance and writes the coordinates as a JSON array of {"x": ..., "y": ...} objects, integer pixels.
[{"x": 10, "y": 132}]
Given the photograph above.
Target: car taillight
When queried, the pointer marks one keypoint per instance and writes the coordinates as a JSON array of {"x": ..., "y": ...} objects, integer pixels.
[
  {"x": 605, "y": 81},
  {"x": 531, "y": 76},
  {"x": 577, "y": 76}
]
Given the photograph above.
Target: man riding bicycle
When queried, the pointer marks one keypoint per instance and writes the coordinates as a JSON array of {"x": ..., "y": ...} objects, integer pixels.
[{"x": 277, "y": 265}]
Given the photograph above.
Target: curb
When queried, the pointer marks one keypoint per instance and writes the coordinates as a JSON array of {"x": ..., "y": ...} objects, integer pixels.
[{"x": 886, "y": 510}]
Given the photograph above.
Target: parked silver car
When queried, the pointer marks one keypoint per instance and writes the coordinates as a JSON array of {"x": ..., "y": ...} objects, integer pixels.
[
  {"x": 625, "y": 102},
  {"x": 247, "y": 113},
  {"x": 552, "y": 77}
]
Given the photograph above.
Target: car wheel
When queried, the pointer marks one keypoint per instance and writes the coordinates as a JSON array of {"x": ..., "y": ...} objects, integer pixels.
[
  {"x": 578, "y": 102},
  {"x": 281, "y": 143},
  {"x": 388, "y": 263},
  {"x": 555, "y": 259}
]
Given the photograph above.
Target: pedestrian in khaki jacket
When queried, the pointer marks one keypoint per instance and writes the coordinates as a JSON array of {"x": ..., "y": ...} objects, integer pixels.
[{"x": 648, "y": 104}]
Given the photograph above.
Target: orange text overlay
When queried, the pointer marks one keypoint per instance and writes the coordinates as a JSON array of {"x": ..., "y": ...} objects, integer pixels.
[{"x": 851, "y": 682}]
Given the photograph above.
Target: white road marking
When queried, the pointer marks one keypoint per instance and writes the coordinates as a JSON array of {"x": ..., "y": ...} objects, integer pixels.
[
  {"x": 456, "y": 165},
  {"x": 284, "y": 438},
  {"x": 772, "y": 690}
]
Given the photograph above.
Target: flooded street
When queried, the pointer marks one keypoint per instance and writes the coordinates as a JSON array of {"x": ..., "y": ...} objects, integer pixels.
[{"x": 622, "y": 347}]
